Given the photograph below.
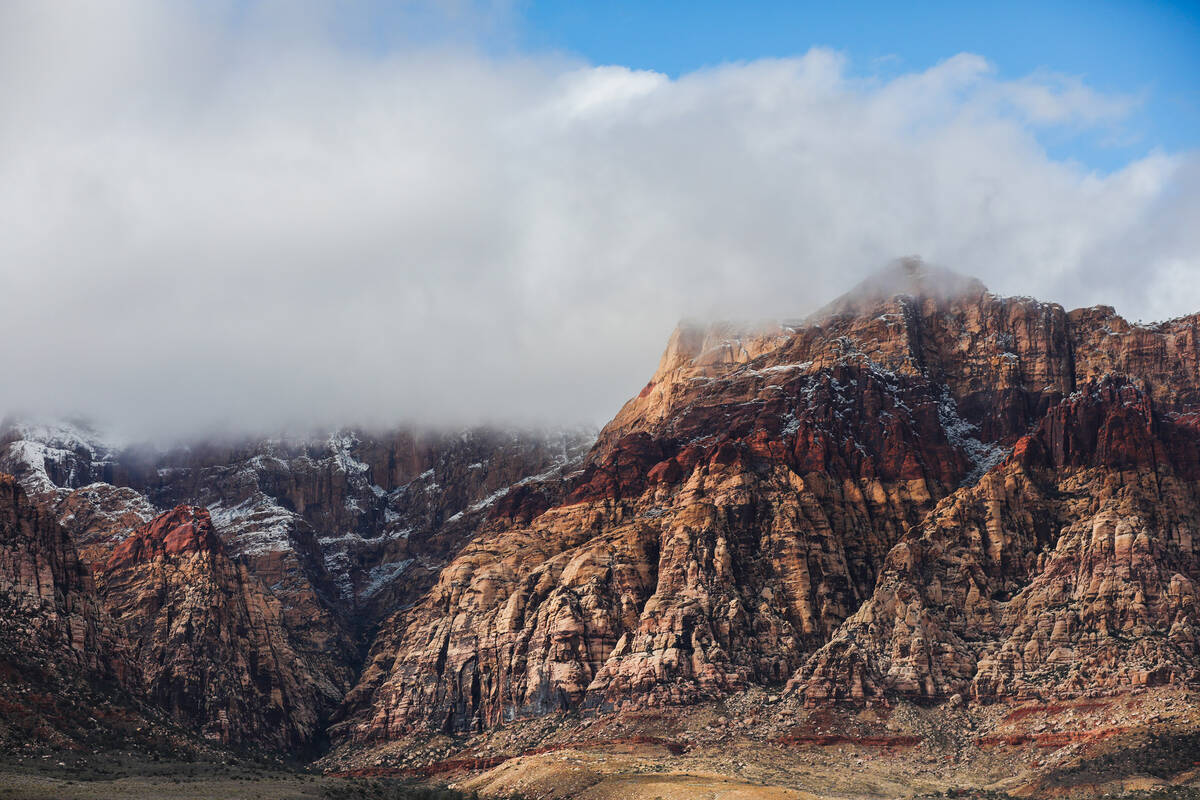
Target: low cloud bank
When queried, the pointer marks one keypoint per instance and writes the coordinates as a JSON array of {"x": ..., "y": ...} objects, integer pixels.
[{"x": 251, "y": 226}]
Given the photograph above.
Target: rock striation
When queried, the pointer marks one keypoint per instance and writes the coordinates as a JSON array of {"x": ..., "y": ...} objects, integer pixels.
[
  {"x": 239, "y": 581},
  {"x": 48, "y": 594},
  {"x": 61, "y": 667},
  {"x": 1069, "y": 569}
]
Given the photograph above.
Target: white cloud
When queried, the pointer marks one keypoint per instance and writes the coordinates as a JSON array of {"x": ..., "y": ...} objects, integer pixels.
[
  {"x": 257, "y": 225},
  {"x": 1050, "y": 99}
]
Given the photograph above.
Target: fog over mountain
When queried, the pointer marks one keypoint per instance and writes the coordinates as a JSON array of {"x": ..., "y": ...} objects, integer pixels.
[{"x": 227, "y": 216}]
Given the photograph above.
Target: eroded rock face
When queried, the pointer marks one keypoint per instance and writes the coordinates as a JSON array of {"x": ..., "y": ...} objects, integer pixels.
[
  {"x": 48, "y": 594},
  {"x": 355, "y": 521},
  {"x": 678, "y": 568},
  {"x": 208, "y": 640},
  {"x": 922, "y": 491},
  {"x": 61, "y": 665},
  {"x": 1069, "y": 569},
  {"x": 882, "y": 500},
  {"x": 247, "y": 623}
]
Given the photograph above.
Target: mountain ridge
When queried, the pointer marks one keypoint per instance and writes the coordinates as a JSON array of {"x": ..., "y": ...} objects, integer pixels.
[{"x": 922, "y": 494}]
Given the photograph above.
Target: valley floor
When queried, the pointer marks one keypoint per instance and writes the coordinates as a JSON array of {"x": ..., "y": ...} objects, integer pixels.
[
  {"x": 121, "y": 777},
  {"x": 580, "y": 775},
  {"x": 753, "y": 746},
  {"x": 757, "y": 745}
]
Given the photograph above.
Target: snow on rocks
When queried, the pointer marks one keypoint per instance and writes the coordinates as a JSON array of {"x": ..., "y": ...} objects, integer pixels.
[
  {"x": 255, "y": 526},
  {"x": 965, "y": 436}
]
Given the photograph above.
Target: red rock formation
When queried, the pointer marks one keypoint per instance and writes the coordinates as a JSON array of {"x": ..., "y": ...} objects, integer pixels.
[
  {"x": 59, "y": 662},
  {"x": 745, "y": 517},
  {"x": 924, "y": 490},
  {"x": 186, "y": 529},
  {"x": 208, "y": 640},
  {"x": 304, "y": 531},
  {"x": 1066, "y": 570},
  {"x": 48, "y": 593}
]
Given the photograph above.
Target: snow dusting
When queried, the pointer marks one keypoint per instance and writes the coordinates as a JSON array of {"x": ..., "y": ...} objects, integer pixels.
[
  {"x": 74, "y": 452},
  {"x": 257, "y": 525},
  {"x": 965, "y": 436},
  {"x": 380, "y": 576}
]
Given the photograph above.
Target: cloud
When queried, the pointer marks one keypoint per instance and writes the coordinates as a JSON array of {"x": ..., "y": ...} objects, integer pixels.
[
  {"x": 1050, "y": 99},
  {"x": 227, "y": 218}
]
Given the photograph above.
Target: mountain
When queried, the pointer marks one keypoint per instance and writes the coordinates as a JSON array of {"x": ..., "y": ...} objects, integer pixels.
[
  {"x": 925, "y": 516},
  {"x": 241, "y": 580},
  {"x": 747, "y": 516},
  {"x": 208, "y": 640},
  {"x": 63, "y": 670},
  {"x": 1068, "y": 570}
]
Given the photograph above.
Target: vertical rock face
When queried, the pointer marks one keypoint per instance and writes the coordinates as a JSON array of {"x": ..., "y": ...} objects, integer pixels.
[
  {"x": 1070, "y": 568},
  {"x": 61, "y": 665},
  {"x": 354, "y": 521},
  {"x": 208, "y": 640},
  {"x": 923, "y": 489},
  {"x": 681, "y": 564},
  {"x": 48, "y": 595}
]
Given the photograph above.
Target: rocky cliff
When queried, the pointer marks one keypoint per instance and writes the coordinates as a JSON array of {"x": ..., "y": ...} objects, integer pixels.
[
  {"x": 922, "y": 490},
  {"x": 207, "y": 639},
  {"x": 1068, "y": 570},
  {"x": 62, "y": 668},
  {"x": 44, "y": 581}
]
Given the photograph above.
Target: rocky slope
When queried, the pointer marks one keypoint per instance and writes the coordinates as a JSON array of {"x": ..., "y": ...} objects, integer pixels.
[
  {"x": 207, "y": 639},
  {"x": 1068, "y": 570},
  {"x": 44, "y": 583},
  {"x": 62, "y": 669}
]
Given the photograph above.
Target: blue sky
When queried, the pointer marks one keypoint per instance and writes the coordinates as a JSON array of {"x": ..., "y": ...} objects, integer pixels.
[{"x": 1147, "y": 50}]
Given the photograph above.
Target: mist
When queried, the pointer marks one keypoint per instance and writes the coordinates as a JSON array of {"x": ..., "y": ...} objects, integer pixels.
[{"x": 231, "y": 217}]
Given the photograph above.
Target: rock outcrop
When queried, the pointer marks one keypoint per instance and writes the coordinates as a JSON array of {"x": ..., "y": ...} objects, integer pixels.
[
  {"x": 1068, "y": 570},
  {"x": 207, "y": 639},
  {"x": 923, "y": 492},
  {"x": 681, "y": 564},
  {"x": 48, "y": 594},
  {"x": 60, "y": 666}
]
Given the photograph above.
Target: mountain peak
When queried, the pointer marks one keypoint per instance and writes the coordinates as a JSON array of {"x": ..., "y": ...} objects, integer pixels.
[{"x": 909, "y": 276}]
